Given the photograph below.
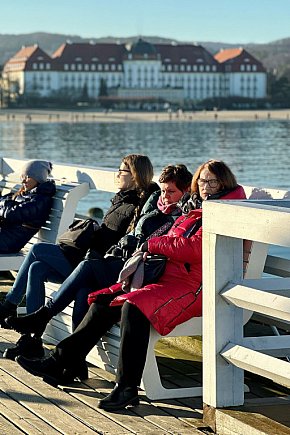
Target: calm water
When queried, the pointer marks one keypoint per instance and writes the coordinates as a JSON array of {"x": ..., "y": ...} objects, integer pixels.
[{"x": 258, "y": 152}]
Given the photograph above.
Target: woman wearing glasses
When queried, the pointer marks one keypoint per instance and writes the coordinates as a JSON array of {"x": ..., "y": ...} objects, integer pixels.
[
  {"x": 175, "y": 298},
  {"x": 22, "y": 213},
  {"x": 48, "y": 262}
]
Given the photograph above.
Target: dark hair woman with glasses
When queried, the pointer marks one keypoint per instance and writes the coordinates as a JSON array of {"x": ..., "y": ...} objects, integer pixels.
[{"x": 175, "y": 298}]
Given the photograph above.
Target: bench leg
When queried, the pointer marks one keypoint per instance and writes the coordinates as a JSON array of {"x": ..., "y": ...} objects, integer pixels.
[{"x": 151, "y": 381}]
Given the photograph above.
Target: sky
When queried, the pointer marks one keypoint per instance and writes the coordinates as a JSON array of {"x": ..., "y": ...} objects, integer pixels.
[{"x": 232, "y": 21}]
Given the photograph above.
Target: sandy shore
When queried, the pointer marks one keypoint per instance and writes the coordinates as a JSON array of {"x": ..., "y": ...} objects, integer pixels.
[{"x": 25, "y": 115}]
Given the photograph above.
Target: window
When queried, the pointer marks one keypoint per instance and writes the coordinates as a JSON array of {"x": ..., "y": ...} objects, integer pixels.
[
  {"x": 214, "y": 68},
  {"x": 65, "y": 67},
  {"x": 95, "y": 59},
  {"x": 34, "y": 66},
  {"x": 80, "y": 67},
  {"x": 112, "y": 59},
  {"x": 201, "y": 68},
  {"x": 106, "y": 67},
  {"x": 242, "y": 67},
  {"x": 86, "y": 67},
  {"x": 207, "y": 68},
  {"x": 254, "y": 67},
  {"x": 188, "y": 68},
  {"x": 41, "y": 65},
  {"x": 93, "y": 67},
  {"x": 100, "y": 67},
  {"x": 73, "y": 67},
  {"x": 48, "y": 66}
]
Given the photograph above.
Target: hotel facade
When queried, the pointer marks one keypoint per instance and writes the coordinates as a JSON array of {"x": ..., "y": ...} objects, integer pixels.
[{"x": 170, "y": 72}]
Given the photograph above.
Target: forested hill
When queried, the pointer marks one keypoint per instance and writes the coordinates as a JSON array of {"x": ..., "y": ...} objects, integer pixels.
[{"x": 274, "y": 55}]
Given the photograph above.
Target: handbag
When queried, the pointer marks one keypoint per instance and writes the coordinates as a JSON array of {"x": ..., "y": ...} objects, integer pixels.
[
  {"x": 77, "y": 239},
  {"x": 154, "y": 267},
  {"x": 137, "y": 273}
]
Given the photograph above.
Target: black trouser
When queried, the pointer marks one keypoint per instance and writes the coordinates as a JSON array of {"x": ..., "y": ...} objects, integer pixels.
[{"x": 135, "y": 330}]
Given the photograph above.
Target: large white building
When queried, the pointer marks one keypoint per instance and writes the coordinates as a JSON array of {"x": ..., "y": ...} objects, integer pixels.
[{"x": 171, "y": 72}]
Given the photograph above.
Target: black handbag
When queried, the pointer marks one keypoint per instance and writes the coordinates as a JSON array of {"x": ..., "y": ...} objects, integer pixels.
[
  {"x": 154, "y": 267},
  {"x": 77, "y": 239}
]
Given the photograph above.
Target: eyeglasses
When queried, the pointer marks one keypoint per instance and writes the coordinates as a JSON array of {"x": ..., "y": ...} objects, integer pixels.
[
  {"x": 124, "y": 170},
  {"x": 212, "y": 183}
]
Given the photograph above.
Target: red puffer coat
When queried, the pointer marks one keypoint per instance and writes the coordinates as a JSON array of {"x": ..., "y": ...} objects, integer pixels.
[{"x": 177, "y": 296}]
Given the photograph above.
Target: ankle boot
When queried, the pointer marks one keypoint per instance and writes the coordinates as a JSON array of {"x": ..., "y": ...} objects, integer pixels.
[
  {"x": 78, "y": 372},
  {"x": 35, "y": 322},
  {"x": 7, "y": 309},
  {"x": 28, "y": 346},
  {"x": 49, "y": 368},
  {"x": 119, "y": 398}
]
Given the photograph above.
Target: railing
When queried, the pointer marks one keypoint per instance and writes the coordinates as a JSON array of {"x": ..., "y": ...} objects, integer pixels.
[{"x": 226, "y": 352}]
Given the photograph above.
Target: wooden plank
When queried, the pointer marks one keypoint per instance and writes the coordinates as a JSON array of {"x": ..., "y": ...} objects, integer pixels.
[
  {"x": 239, "y": 219},
  {"x": 7, "y": 428},
  {"x": 42, "y": 399},
  {"x": 22, "y": 418},
  {"x": 269, "y": 302},
  {"x": 256, "y": 362}
]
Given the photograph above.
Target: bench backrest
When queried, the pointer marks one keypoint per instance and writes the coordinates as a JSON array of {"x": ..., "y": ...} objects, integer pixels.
[{"x": 61, "y": 215}]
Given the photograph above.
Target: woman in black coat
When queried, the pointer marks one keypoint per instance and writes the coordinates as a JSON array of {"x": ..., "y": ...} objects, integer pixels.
[{"x": 23, "y": 213}]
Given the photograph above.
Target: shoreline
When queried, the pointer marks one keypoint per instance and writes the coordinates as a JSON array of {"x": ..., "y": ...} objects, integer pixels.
[{"x": 70, "y": 116}]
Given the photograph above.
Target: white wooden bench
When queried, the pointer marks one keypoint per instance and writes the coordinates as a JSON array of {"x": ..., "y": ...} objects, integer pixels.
[
  {"x": 105, "y": 354},
  {"x": 61, "y": 215}
]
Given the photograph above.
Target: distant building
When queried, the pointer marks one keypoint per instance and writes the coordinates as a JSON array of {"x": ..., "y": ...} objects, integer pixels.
[{"x": 170, "y": 72}]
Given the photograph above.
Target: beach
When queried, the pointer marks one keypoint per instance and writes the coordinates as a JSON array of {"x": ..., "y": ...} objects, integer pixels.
[{"x": 111, "y": 116}]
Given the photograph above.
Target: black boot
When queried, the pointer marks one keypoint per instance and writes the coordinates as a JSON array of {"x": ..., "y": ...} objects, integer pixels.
[
  {"x": 119, "y": 398},
  {"x": 51, "y": 369},
  {"x": 28, "y": 346},
  {"x": 35, "y": 322},
  {"x": 6, "y": 309}
]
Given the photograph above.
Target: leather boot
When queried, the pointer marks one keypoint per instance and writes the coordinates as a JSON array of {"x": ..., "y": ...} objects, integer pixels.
[
  {"x": 35, "y": 322},
  {"x": 119, "y": 398},
  {"x": 51, "y": 369},
  {"x": 6, "y": 309},
  {"x": 28, "y": 346}
]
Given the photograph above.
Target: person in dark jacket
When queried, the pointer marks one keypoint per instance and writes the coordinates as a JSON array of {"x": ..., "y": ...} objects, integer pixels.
[
  {"x": 22, "y": 213},
  {"x": 48, "y": 262},
  {"x": 175, "y": 298},
  {"x": 158, "y": 215}
]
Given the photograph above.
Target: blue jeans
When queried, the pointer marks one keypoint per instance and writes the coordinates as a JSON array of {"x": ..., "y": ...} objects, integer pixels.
[
  {"x": 44, "y": 262},
  {"x": 88, "y": 276}
]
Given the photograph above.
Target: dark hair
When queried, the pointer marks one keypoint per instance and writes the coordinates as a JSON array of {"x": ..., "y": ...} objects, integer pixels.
[
  {"x": 220, "y": 170},
  {"x": 141, "y": 169},
  {"x": 179, "y": 174}
]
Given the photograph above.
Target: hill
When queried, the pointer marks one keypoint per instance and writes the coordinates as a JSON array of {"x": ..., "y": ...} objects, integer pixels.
[{"x": 275, "y": 55}]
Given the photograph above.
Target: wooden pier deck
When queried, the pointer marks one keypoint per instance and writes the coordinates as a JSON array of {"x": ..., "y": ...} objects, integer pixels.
[{"x": 30, "y": 406}]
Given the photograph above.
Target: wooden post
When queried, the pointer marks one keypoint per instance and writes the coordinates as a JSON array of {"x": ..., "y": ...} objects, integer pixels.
[{"x": 222, "y": 382}]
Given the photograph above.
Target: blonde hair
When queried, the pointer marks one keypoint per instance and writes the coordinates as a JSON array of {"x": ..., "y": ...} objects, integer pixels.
[{"x": 220, "y": 170}]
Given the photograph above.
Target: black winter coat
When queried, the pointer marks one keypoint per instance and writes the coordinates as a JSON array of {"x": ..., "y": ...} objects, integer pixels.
[
  {"x": 22, "y": 217},
  {"x": 124, "y": 209}
]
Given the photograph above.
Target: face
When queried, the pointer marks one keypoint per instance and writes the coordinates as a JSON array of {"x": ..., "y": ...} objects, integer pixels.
[
  {"x": 170, "y": 193},
  {"x": 28, "y": 183},
  {"x": 124, "y": 179},
  {"x": 205, "y": 189}
]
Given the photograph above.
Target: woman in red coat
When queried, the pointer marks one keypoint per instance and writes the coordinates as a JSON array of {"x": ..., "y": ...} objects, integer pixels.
[{"x": 174, "y": 299}]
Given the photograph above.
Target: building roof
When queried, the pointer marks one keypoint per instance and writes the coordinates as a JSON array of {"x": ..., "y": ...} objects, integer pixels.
[
  {"x": 227, "y": 54},
  {"x": 232, "y": 59},
  {"x": 24, "y": 58}
]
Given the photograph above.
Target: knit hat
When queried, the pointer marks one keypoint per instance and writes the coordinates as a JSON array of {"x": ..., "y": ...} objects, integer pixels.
[{"x": 37, "y": 169}]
